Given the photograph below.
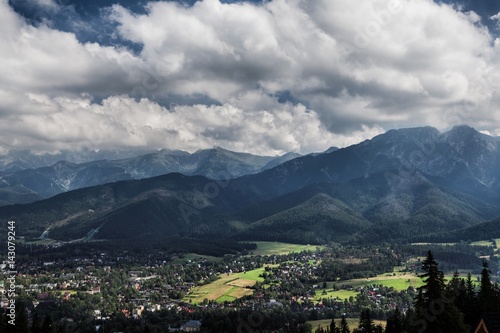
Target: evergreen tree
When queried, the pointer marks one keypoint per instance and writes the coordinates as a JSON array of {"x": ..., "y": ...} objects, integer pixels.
[
  {"x": 453, "y": 287},
  {"x": 408, "y": 318},
  {"x": 3, "y": 322},
  {"x": 47, "y": 326},
  {"x": 333, "y": 326},
  {"x": 321, "y": 330},
  {"x": 366, "y": 323},
  {"x": 36, "y": 325},
  {"x": 456, "y": 292},
  {"x": 344, "y": 327},
  {"x": 471, "y": 309},
  {"x": 487, "y": 297},
  {"x": 435, "y": 313},
  {"x": 433, "y": 280},
  {"x": 395, "y": 322},
  {"x": 22, "y": 325}
]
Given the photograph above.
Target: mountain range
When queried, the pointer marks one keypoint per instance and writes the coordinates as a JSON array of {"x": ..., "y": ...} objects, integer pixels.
[
  {"x": 403, "y": 185},
  {"x": 17, "y": 160},
  {"x": 32, "y": 184}
]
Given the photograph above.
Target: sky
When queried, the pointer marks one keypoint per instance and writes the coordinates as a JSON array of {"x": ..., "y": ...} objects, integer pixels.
[{"x": 264, "y": 77}]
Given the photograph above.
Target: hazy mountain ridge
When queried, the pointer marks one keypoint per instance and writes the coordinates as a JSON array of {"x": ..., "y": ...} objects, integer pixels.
[
  {"x": 399, "y": 186},
  {"x": 65, "y": 176},
  {"x": 17, "y": 160}
]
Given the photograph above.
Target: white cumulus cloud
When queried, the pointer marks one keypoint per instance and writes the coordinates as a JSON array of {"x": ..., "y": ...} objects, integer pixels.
[{"x": 265, "y": 78}]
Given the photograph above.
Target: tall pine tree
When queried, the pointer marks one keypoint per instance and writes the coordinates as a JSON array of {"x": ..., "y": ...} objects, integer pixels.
[
  {"x": 333, "y": 327},
  {"x": 487, "y": 293},
  {"x": 36, "y": 324},
  {"x": 366, "y": 323},
  {"x": 344, "y": 326},
  {"x": 3, "y": 322},
  {"x": 47, "y": 326},
  {"x": 471, "y": 310},
  {"x": 22, "y": 325},
  {"x": 395, "y": 322},
  {"x": 435, "y": 312}
]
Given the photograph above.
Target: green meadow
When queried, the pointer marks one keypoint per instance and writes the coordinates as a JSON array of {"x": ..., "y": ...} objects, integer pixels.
[
  {"x": 352, "y": 322},
  {"x": 276, "y": 248},
  {"x": 227, "y": 288},
  {"x": 487, "y": 243},
  {"x": 398, "y": 282}
]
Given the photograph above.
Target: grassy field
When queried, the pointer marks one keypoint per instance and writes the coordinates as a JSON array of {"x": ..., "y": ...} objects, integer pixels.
[
  {"x": 353, "y": 323},
  {"x": 477, "y": 243},
  {"x": 481, "y": 243},
  {"x": 193, "y": 256},
  {"x": 398, "y": 282},
  {"x": 263, "y": 249},
  {"x": 330, "y": 293},
  {"x": 441, "y": 244},
  {"x": 228, "y": 288},
  {"x": 275, "y": 248},
  {"x": 487, "y": 243},
  {"x": 252, "y": 275}
]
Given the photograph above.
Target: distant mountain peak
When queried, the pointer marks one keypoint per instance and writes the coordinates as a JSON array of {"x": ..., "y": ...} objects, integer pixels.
[
  {"x": 463, "y": 127},
  {"x": 463, "y": 130},
  {"x": 214, "y": 149},
  {"x": 420, "y": 131},
  {"x": 400, "y": 185},
  {"x": 464, "y": 136},
  {"x": 331, "y": 150},
  {"x": 479, "y": 151}
]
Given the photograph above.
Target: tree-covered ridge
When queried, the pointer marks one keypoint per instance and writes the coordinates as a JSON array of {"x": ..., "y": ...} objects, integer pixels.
[{"x": 367, "y": 193}]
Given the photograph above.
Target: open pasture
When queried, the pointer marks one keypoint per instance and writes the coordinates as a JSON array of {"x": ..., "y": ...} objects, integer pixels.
[
  {"x": 276, "y": 248},
  {"x": 352, "y": 322},
  {"x": 227, "y": 288},
  {"x": 398, "y": 282}
]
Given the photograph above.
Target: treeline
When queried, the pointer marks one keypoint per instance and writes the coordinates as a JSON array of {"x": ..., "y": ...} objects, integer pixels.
[
  {"x": 216, "y": 247},
  {"x": 373, "y": 261},
  {"x": 454, "y": 256},
  {"x": 282, "y": 235},
  {"x": 485, "y": 230},
  {"x": 438, "y": 307},
  {"x": 455, "y": 306}
]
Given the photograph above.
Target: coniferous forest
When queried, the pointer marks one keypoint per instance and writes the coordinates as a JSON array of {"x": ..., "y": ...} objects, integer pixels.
[{"x": 439, "y": 307}]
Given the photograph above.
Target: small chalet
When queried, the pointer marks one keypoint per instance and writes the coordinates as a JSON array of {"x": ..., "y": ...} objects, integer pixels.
[{"x": 490, "y": 323}]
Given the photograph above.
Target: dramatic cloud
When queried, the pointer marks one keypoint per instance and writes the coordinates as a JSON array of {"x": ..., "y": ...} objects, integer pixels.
[
  {"x": 47, "y": 4},
  {"x": 496, "y": 18},
  {"x": 44, "y": 60},
  {"x": 120, "y": 121},
  {"x": 265, "y": 78}
]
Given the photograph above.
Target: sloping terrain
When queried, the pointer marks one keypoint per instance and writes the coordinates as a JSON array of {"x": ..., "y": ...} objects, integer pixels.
[
  {"x": 400, "y": 186},
  {"x": 65, "y": 176}
]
